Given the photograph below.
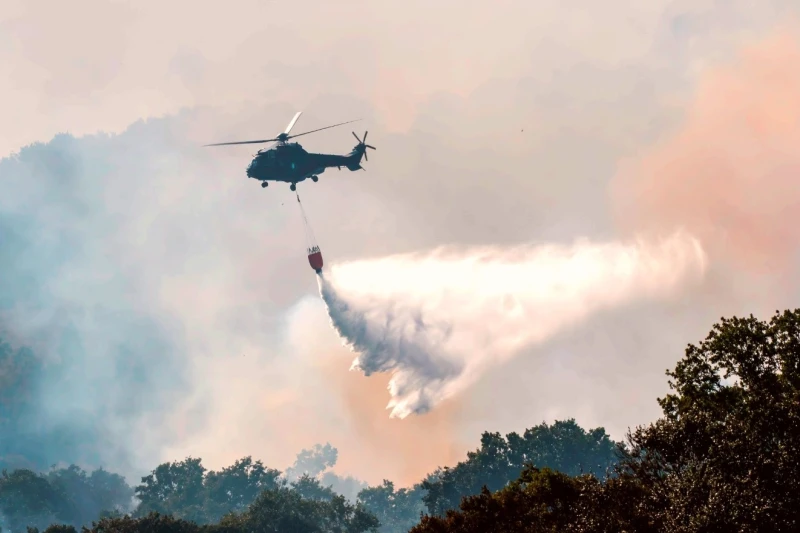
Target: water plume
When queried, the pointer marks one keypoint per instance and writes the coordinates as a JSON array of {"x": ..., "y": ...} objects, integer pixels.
[{"x": 437, "y": 321}]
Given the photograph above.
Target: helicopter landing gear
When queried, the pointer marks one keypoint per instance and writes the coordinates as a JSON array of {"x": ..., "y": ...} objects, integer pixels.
[
  {"x": 314, "y": 178},
  {"x": 293, "y": 187},
  {"x": 264, "y": 184}
]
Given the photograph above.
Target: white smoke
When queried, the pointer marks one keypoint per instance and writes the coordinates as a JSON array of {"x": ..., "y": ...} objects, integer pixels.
[{"x": 438, "y": 320}]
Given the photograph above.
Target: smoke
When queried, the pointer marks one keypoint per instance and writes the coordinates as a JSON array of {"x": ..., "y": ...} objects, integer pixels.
[
  {"x": 437, "y": 321},
  {"x": 729, "y": 173},
  {"x": 95, "y": 344},
  {"x": 164, "y": 294}
]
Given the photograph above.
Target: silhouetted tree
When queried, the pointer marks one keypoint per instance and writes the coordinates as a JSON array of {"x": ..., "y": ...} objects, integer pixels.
[
  {"x": 310, "y": 488},
  {"x": 397, "y": 510},
  {"x": 86, "y": 496},
  {"x": 27, "y": 499},
  {"x": 724, "y": 456},
  {"x": 313, "y": 462},
  {"x": 562, "y": 446},
  {"x": 176, "y": 489},
  {"x": 234, "y": 488},
  {"x": 149, "y": 523},
  {"x": 285, "y": 509}
]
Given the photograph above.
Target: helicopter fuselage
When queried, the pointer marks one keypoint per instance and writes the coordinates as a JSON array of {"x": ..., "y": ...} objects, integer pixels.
[{"x": 291, "y": 163}]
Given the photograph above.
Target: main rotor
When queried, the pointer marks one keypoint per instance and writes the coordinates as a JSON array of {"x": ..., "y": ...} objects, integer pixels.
[{"x": 285, "y": 136}]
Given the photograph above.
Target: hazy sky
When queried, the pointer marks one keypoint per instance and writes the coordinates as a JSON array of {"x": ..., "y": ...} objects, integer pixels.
[{"x": 496, "y": 123}]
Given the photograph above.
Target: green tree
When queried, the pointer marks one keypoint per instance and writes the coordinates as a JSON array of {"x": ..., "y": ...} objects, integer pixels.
[
  {"x": 539, "y": 501},
  {"x": 149, "y": 523},
  {"x": 547, "y": 501},
  {"x": 60, "y": 528},
  {"x": 724, "y": 455},
  {"x": 28, "y": 500},
  {"x": 234, "y": 488},
  {"x": 563, "y": 446},
  {"x": 396, "y": 510},
  {"x": 311, "y": 488},
  {"x": 175, "y": 488},
  {"x": 313, "y": 462},
  {"x": 284, "y": 509},
  {"x": 66, "y": 495},
  {"x": 86, "y": 497}
]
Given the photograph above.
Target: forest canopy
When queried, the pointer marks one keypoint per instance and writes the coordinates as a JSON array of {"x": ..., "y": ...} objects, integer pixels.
[{"x": 721, "y": 457}]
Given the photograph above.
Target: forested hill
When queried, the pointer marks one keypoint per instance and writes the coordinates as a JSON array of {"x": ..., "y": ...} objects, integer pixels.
[
  {"x": 722, "y": 457},
  {"x": 186, "y": 490}
]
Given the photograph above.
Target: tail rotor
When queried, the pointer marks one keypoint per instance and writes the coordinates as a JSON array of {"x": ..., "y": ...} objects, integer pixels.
[{"x": 362, "y": 144}]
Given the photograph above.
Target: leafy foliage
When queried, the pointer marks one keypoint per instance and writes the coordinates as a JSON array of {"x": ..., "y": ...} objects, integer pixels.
[
  {"x": 150, "y": 523},
  {"x": 89, "y": 495},
  {"x": 27, "y": 499},
  {"x": 544, "y": 500},
  {"x": 310, "y": 488},
  {"x": 313, "y": 462},
  {"x": 396, "y": 510},
  {"x": 723, "y": 457},
  {"x": 67, "y": 495},
  {"x": 184, "y": 489},
  {"x": 175, "y": 488},
  {"x": 563, "y": 446},
  {"x": 234, "y": 488},
  {"x": 284, "y": 509}
]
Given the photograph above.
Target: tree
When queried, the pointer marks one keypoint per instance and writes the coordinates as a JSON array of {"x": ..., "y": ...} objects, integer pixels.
[
  {"x": 310, "y": 488},
  {"x": 284, "y": 509},
  {"x": 60, "y": 528},
  {"x": 397, "y": 511},
  {"x": 149, "y": 523},
  {"x": 234, "y": 488},
  {"x": 563, "y": 446},
  {"x": 539, "y": 501},
  {"x": 175, "y": 488},
  {"x": 28, "y": 500},
  {"x": 723, "y": 457},
  {"x": 313, "y": 462},
  {"x": 66, "y": 495},
  {"x": 544, "y": 500},
  {"x": 86, "y": 497}
]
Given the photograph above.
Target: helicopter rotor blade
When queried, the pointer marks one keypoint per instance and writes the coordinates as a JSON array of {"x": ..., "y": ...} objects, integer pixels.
[
  {"x": 293, "y": 122},
  {"x": 364, "y": 141},
  {"x": 325, "y": 128},
  {"x": 283, "y": 137},
  {"x": 356, "y": 136},
  {"x": 242, "y": 142}
]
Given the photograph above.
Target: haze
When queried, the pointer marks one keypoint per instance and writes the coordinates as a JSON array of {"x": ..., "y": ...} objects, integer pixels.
[{"x": 496, "y": 124}]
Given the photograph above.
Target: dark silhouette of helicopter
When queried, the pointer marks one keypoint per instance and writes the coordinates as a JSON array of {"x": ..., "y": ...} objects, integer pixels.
[{"x": 290, "y": 163}]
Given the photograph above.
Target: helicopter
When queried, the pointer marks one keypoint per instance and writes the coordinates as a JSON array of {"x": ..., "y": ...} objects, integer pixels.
[{"x": 291, "y": 163}]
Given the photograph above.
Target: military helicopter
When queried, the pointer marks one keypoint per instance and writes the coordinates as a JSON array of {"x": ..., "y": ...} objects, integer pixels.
[{"x": 291, "y": 163}]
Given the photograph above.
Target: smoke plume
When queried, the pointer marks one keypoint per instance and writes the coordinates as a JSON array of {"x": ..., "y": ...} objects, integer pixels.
[
  {"x": 729, "y": 172},
  {"x": 437, "y": 321}
]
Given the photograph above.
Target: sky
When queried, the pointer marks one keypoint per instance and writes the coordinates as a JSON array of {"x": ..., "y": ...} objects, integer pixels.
[{"x": 196, "y": 324}]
